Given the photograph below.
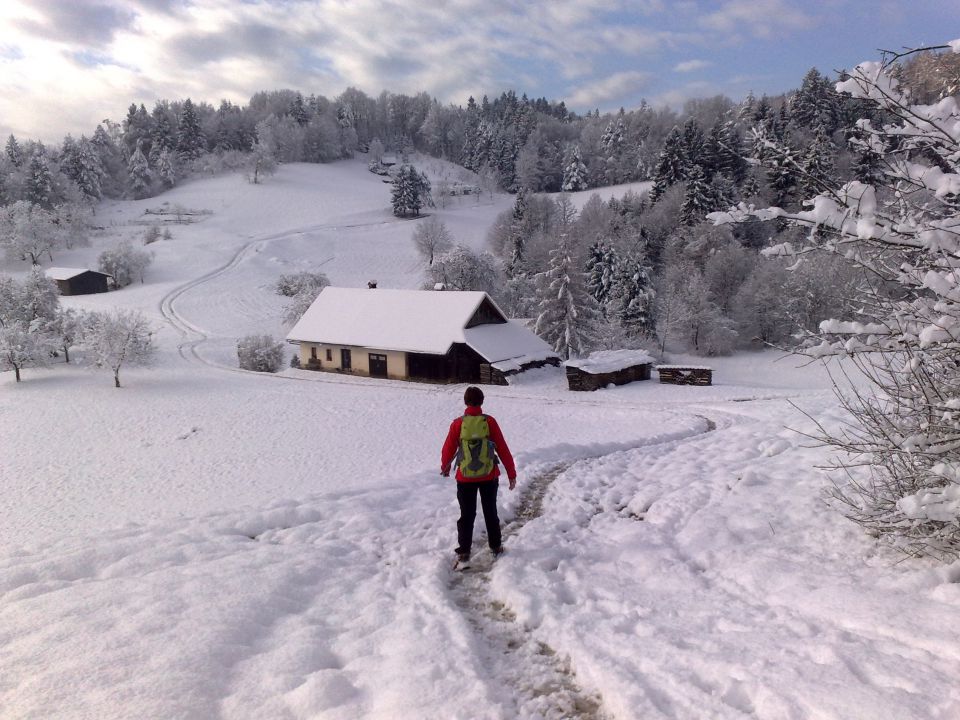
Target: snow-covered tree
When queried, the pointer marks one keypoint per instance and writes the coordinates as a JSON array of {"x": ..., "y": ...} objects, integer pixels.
[
  {"x": 116, "y": 339},
  {"x": 166, "y": 168},
  {"x": 463, "y": 269},
  {"x": 20, "y": 347},
  {"x": 698, "y": 198},
  {"x": 138, "y": 172},
  {"x": 191, "y": 142},
  {"x": 125, "y": 263},
  {"x": 632, "y": 296},
  {"x": 262, "y": 162},
  {"x": 574, "y": 172},
  {"x": 671, "y": 165},
  {"x": 260, "y": 353},
  {"x": 28, "y": 231},
  {"x": 568, "y": 316},
  {"x": 431, "y": 237},
  {"x": 602, "y": 261},
  {"x": 901, "y": 456},
  {"x": 410, "y": 191},
  {"x": 301, "y": 282},
  {"x": 38, "y": 187},
  {"x": 15, "y": 152},
  {"x": 67, "y": 327}
]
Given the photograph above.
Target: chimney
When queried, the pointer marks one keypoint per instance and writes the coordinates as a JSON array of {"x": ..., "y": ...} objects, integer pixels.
[{"x": 371, "y": 284}]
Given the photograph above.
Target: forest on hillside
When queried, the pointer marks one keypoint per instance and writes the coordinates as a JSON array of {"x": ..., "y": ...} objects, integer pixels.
[{"x": 642, "y": 270}]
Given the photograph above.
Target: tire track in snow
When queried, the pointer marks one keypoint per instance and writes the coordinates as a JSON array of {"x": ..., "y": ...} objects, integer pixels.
[
  {"x": 547, "y": 688},
  {"x": 194, "y": 335}
]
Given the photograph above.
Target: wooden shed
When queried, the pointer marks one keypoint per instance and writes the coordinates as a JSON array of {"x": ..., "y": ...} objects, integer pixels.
[
  {"x": 606, "y": 367},
  {"x": 449, "y": 336},
  {"x": 78, "y": 281},
  {"x": 685, "y": 374}
]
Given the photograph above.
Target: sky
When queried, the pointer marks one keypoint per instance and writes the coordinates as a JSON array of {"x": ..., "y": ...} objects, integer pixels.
[{"x": 66, "y": 65}]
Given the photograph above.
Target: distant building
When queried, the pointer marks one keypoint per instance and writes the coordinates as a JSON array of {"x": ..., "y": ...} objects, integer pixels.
[
  {"x": 450, "y": 336},
  {"x": 78, "y": 281}
]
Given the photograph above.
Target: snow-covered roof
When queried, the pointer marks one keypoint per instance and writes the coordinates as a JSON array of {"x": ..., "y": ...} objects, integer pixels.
[
  {"x": 684, "y": 367},
  {"x": 605, "y": 361},
  {"x": 59, "y": 273},
  {"x": 420, "y": 321},
  {"x": 509, "y": 341}
]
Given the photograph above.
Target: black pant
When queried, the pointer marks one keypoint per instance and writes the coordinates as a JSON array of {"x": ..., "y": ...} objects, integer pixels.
[{"x": 467, "y": 497}]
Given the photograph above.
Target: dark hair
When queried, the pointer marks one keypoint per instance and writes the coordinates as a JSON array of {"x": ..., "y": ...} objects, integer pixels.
[{"x": 473, "y": 396}]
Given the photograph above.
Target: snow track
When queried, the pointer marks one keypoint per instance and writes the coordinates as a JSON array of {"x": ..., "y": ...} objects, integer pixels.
[{"x": 544, "y": 683}]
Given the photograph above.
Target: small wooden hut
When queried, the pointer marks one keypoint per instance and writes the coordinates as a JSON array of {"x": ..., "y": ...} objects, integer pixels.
[
  {"x": 685, "y": 374},
  {"x": 608, "y": 367},
  {"x": 78, "y": 281}
]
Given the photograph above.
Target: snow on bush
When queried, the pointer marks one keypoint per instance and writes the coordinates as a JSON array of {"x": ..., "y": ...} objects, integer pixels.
[
  {"x": 125, "y": 263},
  {"x": 260, "y": 353}
]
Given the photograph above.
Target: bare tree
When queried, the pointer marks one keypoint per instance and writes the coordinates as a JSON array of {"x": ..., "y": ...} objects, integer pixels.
[{"x": 431, "y": 238}]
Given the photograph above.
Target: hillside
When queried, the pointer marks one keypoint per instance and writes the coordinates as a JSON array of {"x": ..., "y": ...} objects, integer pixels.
[{"x": 206, "y": 542}]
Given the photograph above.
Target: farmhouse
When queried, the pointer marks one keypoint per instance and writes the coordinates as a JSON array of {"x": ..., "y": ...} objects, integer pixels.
[
  {"x": 78, "y": 281},
  {"x": 440, "y": 336}
]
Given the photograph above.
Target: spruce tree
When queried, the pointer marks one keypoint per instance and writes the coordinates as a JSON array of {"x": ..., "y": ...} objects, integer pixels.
[
  {"x": 38, "y": 188},
  {"x": 818, "y": 164},
  {"x": 671, "y": 165},
  {"x": 15, "y": 152},
  {"x": 601, "y": 264},
  {"x": 163, "y": 135},
  {"x": 518, "y": 235},
  {"x": 138, "y": 172},
  {"x": 89, "y": 170},
  {"x": 633, "y": 296},
  {"x": 567, "y": 315},
  {"x": 166, "y": 170},
  {"x": 698, "y": 198},
  {"x": 575, "y": 172},
  {"x": 190, "y": 140}
]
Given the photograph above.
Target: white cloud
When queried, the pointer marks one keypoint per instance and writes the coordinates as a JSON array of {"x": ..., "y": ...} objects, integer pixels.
[
  {"x": 611, "y": 89},
  {"x": 691, "y": 66},
  {"x": 759, "y": 18}
]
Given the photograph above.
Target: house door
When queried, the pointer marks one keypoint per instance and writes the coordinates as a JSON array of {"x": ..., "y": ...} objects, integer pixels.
[
  {"x": 345, "y": 363},
  {"x": 378, "y": 365}
]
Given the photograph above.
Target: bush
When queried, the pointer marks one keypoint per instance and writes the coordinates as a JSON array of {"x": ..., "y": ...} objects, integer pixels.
[
  {"x": 301, "y": 283},
  {"x": 125, "y": 263},
  {"x": 260, "y": 353}
]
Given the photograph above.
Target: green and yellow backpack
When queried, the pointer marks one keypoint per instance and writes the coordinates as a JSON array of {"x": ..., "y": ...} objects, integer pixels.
[{"x": 477, "y": 454}]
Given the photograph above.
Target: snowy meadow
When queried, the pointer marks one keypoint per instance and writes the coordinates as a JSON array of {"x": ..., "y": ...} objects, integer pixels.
[{"x": 206, "y": 542}]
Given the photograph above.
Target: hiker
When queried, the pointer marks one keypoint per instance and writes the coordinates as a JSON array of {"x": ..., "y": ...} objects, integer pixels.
[{"x": 477, "y": 444}]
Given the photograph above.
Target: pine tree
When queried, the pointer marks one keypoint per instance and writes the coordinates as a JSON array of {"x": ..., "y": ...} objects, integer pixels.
[
  {"x": 698, "y": 198},
  {"x": 190, "y": 140},
  {"x": 166, "y": 170},
  {"x": 89, "y": 170},
  {"x": 671, "y": 166},
  {"x": 410, "y": 191},
  {"x": 518, "y": 234},
  {"x": 817, "y": 164},
  {"x": 693, "y": 144},
  {"x": 138, "y": 172},
  {"x": 298, "y": 110},
  {"x": 633, "y": 295},
  {"x": 601, "y": 264},
  {"x": 575, "y": 172},
  {"x": 38, "y": 188},
  {"x": 163, "y": 135},
  {"x": 567, "y": 315},
  {"x": 15, "y": 152}
]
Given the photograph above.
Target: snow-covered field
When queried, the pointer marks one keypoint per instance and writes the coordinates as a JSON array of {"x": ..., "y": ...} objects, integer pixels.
[{"x": 209, "y": 543}]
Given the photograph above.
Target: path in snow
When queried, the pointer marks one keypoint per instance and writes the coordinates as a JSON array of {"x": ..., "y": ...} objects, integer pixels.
[{"x": 546, "y": 685}]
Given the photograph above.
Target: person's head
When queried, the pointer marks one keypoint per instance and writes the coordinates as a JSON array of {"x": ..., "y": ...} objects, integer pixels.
[{"x": 473, "y": 396}]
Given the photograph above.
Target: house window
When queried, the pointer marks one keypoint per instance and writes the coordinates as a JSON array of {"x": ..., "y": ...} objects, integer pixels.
[
  {"x": 345, "y": 363},
  {"x": 313, "y": 353},
  {"x": 329, "y": 355}
]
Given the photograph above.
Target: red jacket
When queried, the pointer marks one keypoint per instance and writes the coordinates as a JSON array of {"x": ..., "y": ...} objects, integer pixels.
[{"x": 452, "y": 444}]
